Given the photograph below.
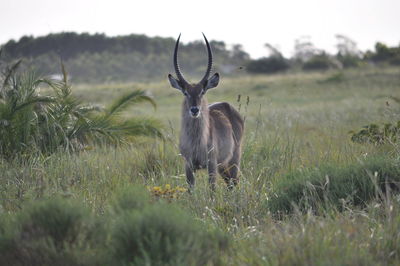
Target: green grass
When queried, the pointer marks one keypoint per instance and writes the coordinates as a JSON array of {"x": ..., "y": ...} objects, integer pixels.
[
  {"x": 61, "y": 232},
  {"x": 335, "y": 186},
  {"x": 308, "y": 195}
]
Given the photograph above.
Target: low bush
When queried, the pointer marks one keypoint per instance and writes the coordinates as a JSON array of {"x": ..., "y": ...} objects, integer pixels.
[
  {"x": 163, "y": 235},
  {"x": 135, "y": 231},
  {"x": 267, "y": 65},
  {"x": 375, "y": 134},
  {"x": 130, "y": 198},
  {"x": 49, "y": 232},
  {"x": 349, "y": 61},
  {"x": 319, "y": 62},
  {"x": 330, "y": 185},
  {"x": 395, "y": 61}
]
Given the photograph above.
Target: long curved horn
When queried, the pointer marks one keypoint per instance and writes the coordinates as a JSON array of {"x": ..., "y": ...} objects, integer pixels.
[
  {"x": 176, "y": 65},
  {"x": 210, "y": 61}
]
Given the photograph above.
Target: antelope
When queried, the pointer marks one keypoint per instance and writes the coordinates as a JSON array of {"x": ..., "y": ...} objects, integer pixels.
[{"x": 211, "y": 135}]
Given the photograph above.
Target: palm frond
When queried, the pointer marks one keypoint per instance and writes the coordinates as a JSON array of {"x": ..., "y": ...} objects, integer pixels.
[
  {"x": 142, "y": 127},
  {"x": 9, "y": 73},
  {"x": 127, "y": 100},
  {"x": 34, "y": 100}
]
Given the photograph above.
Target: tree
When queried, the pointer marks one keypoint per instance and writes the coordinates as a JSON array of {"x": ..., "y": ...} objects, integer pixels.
[
  {"x": 346, "y": 46},
  {"x": 347, "y": 52},
  {"x": 275, "y": 62},
  {"x": 238, "y": 53},
  {"x": 304, "y": 49}
]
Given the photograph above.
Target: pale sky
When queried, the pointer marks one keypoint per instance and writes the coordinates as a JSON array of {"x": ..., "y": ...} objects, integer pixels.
[{"x": 251, "y": 23}]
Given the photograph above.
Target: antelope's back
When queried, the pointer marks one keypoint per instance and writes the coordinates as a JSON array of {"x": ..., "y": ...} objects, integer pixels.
[{"x": 232, "y": 116}]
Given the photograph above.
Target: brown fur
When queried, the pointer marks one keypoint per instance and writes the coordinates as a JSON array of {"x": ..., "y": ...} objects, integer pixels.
[
  {"x": 212, "y": 141},
  {"x": 211, "y": 135}
]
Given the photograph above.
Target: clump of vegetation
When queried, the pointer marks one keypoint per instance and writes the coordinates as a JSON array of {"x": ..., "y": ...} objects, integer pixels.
[
  {"x": 329, "y": 185},
  {"x": 275, "y": 62},
  {"x": 49, "y": 232},
  {"x": 348, "y": 53},
  {"x": 130, "y": 198},
  {"x": 61, "y": 232},
  {"x": 164, "y": 235},
  {"x": 319, "y": 62},
  {"x": 378, "y": 134},
  {"x": 375, "y": 134},
  {"x": 268, "y": 65},
  {"x": 34, "y": 124},
  {"x": 349, "y": 61},
  {"x": 383, "y": 53}
]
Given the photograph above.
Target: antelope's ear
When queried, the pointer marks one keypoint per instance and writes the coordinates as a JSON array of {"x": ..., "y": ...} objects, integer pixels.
[
  {"x": 174, "y": 82},
  {"x": 212, "y": 82}
]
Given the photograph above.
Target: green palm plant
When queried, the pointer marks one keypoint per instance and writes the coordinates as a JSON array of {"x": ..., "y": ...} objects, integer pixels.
[{"x": 34, "y": 124}]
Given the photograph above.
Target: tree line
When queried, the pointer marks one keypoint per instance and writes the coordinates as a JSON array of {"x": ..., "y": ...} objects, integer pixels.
[
  {"x": 308, "y": 57},
  {"x": 99, "y": 58}
]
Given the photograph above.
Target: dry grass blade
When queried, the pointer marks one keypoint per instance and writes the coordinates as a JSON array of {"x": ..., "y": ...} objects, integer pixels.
[{"x": 64, "y": 73}]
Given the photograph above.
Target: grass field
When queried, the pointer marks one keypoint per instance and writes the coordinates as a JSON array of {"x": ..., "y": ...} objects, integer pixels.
[{"x": 307, "y": 195}]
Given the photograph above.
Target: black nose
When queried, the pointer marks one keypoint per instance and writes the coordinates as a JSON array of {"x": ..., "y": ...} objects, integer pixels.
[{"x": 194, "y": 110}]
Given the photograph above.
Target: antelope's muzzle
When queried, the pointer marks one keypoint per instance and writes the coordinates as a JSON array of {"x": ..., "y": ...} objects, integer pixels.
[{"x": 194, "y": 111}]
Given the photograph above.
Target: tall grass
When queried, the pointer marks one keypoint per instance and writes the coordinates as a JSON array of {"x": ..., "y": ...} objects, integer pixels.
[
  {"x": 336, "y": 186},
  {"x": 307, "y": 194}
]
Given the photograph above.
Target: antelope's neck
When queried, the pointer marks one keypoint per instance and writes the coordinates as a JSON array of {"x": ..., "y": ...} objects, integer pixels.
[{"x": 195, "y": 130}]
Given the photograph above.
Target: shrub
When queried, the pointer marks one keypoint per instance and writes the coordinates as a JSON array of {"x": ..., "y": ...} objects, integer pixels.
[
  {"x": 318, "y": 62},
  {"x": 330, "y": 185},
  {"x": 49, "y": 232},
  {"x": 384, "y": 53},
  {"x": 30, "y": 123},
  {"x": 136, "y": 232},
  {"x": 270, "y": 64},
  {"x": 130, "y": 198},
  {"x": 374, "y": 134},
  {"x": 164, "y": 235},
  {"x": 395, "y": 61},
  {"x": 379, "y": 134},
  {"x": 348, "y": 61}
]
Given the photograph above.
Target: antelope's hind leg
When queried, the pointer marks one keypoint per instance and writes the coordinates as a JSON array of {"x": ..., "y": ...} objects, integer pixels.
[
  {"x": 190, "y": 176},
  {"x": 230, "y": 174},
  {"x": 212, "y": 173}
]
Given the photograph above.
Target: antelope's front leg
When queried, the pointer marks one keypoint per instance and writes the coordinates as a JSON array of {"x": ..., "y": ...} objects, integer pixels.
[
  {"x": 212, "y": 170},
  {"x": 190, "y": 176}
]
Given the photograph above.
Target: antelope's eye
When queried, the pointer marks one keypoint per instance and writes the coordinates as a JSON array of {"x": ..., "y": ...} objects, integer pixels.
[
  {"x": 185, "y": 93},
  {"x": 202, "y": 92}
]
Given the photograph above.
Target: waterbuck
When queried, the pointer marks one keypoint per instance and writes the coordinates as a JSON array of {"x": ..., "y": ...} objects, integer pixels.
[{"x": 211, "y": 135}]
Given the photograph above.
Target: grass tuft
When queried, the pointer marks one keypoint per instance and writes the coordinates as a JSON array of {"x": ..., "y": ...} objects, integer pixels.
[{"x": 331, "y": 185}]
